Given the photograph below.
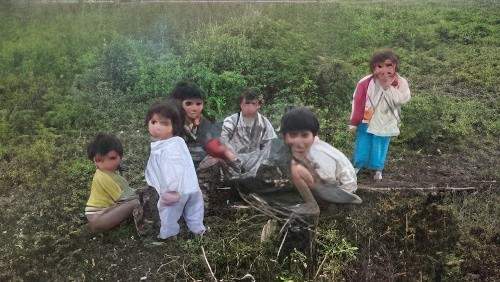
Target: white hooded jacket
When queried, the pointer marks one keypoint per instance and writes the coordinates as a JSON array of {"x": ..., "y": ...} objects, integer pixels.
[{"x": 170, "y": 167}]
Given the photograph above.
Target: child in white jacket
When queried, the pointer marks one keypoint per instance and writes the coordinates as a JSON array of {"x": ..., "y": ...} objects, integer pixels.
[{"x": 170, "y": 170}]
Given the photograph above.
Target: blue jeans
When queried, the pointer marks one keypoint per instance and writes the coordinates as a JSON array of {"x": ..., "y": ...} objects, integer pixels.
[{"x": 370, "y": 151}]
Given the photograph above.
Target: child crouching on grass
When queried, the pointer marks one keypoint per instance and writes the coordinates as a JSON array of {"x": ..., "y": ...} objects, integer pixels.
[
  {"x": 248, "y": 133},
  {"x": 111, "y": 199},
  {"x": 376, "y": 108},
  {"x": 316, "y": 163},
  {"x": 170, "y": 170}
]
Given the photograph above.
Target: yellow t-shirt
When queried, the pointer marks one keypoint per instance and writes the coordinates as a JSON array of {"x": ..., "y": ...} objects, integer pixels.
[{"x": 107, "y": 189}]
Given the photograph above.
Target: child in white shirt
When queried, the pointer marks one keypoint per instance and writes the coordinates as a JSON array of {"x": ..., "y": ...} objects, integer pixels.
[
  {"x": 317, "y": 168},
  {"x": 170, "y": 170}
]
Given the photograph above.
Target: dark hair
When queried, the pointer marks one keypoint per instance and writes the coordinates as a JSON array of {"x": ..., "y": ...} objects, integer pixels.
[
  {"x": 299, "y": 119},
  {"x": 381, "y": 55},
  {"x": 102, "y": 144},
  {"x": 249, "y": 94},
  {"x": 167, "y": 109},
  {"x": 187, "y": 90}
]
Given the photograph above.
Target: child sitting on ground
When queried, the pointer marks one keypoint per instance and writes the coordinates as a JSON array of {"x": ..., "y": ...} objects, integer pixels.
[
  {"x": 111, "y": 199},
  {"x": 197, "y": 129},
  {"x": 199, "y": 133},
  {"x": 315, "y": 163},
  {"x": 376, "y": 110},
  {"x": 248, "y": 133},
  {"x": 170, "y": 170}
]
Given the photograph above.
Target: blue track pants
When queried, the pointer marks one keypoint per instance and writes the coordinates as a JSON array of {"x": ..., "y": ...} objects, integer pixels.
[{"x": 370, "y": 151}]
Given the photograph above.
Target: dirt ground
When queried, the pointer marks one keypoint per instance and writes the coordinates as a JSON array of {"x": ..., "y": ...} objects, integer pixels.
[
  {"x": 400, "y": 235},
  {"x": 477, "y": 169}
]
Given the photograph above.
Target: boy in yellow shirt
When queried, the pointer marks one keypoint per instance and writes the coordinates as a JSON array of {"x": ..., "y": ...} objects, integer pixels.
[{"x": 111, "y": 199}]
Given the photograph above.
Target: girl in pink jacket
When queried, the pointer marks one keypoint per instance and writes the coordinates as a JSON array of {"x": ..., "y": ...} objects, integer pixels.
[{"x": 376, "y": 107}]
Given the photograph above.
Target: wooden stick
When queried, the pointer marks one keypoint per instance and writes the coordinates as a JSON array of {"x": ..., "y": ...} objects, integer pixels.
[
  {"x": 321, "y": 265},
  {"x": 208, "y": 264},
  {"x": 281, "y": 245},
  {"x": 246, "y": 276},
  {"x": 425, "y": 189},
  {"x": 187, "y": 273}
]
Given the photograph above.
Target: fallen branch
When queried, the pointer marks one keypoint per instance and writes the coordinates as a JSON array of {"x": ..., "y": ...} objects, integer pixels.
[
  {"x": 283, "y": 227},
  {"x": 281, "y": 213},
  {"x": 264, "y": 208},
  {"x": 208, "y": 264},
  {"x": 246, "y": 277},
  {"x": 281, "y": 245},
  {"x": 239, "y": 207},
  {"x": 163, "y": 265},
  {"x": 187, "y": 273},
  {"x": 321, "y": 266},
  {"x": 421, "y": 189},
  {"x": 250, "y": 218}
]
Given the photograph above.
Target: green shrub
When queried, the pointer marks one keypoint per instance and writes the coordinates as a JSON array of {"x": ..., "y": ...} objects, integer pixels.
[
  {"x": 430, "y": 121},
  {"x": 78, "y": 171},
  {"x": 220, "y": 51},
  {"x": 30, "y": 162},
  {"x": 222, "y": 89},
  {"x": 105, "y": 109},
  {"x": 335, "y": 252},
  {"x": 6, "y": 134},
  {"x": 68, "y": 71},
  {"x": 336, "y": 83},
  {"x": 24, "y": 122},
  {"x": 157, "y": 76},
  {"x": 119, "y": 64},
  {"x": 268, "y": 54}
]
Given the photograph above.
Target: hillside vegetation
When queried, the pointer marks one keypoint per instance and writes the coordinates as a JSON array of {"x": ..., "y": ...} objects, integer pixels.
[{"x": 70, "y": 71}]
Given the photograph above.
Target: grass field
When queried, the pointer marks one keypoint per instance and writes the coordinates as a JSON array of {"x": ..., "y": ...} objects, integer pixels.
[{"x": 69, "y": 71}]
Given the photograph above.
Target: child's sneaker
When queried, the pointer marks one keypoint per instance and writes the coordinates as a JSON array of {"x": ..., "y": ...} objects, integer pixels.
[
  {"x": 171, "y": 238},
  {"x": 378, "y": 175}
]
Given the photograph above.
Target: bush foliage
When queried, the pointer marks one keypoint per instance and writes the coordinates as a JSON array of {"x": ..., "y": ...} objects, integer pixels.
[{"x": 69, "y": 71}]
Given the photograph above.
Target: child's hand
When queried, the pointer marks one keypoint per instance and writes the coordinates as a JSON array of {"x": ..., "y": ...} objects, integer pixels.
[
  {"x": 170, "y": 198},
  {"x": 395, "y": 83},
  {"x": 197, "y": 122},
  {"x": 385, "y": 81},
  {"x": 229, "y": 155},
  {"x": 216, "y": 149},
  {"x": 386, "y": 78},
  {"x": 352, "y": 128}
]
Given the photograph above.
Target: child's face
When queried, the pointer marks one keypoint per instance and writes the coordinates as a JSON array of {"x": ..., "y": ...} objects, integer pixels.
[
  {"x": 300, "y": 142},
  {"x": 193, "y": 108},
  {"x": 109, "y": 162},
  {"x": 385, "y": 69},
  {"x": 249, "y": 108},
  {"x": 160, "y": 128}
]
